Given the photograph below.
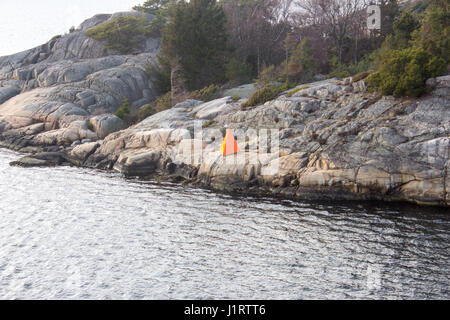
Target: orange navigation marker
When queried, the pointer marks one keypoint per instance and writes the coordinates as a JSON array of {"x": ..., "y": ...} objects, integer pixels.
[{"x": 229, "y": 145}]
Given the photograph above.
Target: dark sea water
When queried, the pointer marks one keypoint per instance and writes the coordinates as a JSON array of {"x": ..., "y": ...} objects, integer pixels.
[{"x": 70, "y": 233}]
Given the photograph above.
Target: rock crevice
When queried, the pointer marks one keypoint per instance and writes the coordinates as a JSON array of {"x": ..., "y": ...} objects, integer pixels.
[
  {"x": 383, "y": 152},
  {"x": 67, "y": 83},
  {"x": 329, "y": 140}
]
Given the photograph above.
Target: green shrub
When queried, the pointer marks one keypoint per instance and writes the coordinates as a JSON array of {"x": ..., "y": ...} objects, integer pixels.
[
  {"x": 360, "y": 76},
  {"x": 268, "y": 76},
  {"x": 124, "y": 34},
  {"x": 340, "y": 70},
  {"x": 434, "y": 33},
  {"x": 206, "y": 94},
  {"x": 404, "y": 72},
  {"x": 292, "y": 92},
  {"x": 302, "y": 64},
  {"x": 145, "y": 112},
  {"x": 235, "y": 97},
  {"x": 340, "y": 73},
  {"x": 90, "y": 126},
  {"x": 208, "y": 123},
  {"x": 265, "y": 94},
  {"x": 164, "y": 102},
  {"x": 238, "y": 72},
  {"x": 124, "y": 109},
  {"x": 149, "y": 70},
  {"x": 415, "y": 52},
  {"x": 403, "y": 28},
  {"x": 160, "y": 74}
]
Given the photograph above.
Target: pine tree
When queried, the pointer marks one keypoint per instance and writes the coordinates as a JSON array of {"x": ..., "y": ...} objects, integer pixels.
[
  {"x": 301, "y": 63},
  {"x": 124, "y": 109},
  {"x": 155, "y": 7},
  {"x": 197, "y": 39}
]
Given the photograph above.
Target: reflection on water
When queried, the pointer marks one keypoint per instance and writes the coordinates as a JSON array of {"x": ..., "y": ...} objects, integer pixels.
[{"x": 76, "y": 233}]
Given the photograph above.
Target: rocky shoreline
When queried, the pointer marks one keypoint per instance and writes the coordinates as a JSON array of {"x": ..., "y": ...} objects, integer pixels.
[{"x": 328, "y": 140}]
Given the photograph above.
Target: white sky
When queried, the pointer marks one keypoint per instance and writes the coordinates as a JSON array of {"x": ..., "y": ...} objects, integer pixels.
[{"x": 25, "y": 24}]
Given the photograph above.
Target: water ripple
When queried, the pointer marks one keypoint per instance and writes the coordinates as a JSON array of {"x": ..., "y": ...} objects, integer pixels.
[{"x": 75, "y": 233}]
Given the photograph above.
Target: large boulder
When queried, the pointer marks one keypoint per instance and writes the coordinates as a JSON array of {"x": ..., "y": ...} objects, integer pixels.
[
  {"x": 7, "y": 93},
  {"x": 82, "y": 151},
  {"x": 43, "y": 159},
  {"x": 245, "y": 91},
  {"x": 212, "y": 109},
  {"x": 107, "y": 124}
]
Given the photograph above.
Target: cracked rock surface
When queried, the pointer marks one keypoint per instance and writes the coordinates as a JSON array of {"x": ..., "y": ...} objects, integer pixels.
[
  {"x": 336, "y": 141},
  {"x": 330, "y": 140},
  {"x": 49, "y": 94}
]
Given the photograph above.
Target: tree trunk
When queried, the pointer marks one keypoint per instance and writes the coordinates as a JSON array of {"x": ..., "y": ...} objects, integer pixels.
[
  {"x": 259, "y": 62},
  {"x": 179, "y": 92}
]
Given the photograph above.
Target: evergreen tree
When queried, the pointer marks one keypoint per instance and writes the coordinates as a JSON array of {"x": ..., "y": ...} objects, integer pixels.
[
  {"x": 197, "y": 39},
  {"x": 123, "y": 34},
  {"x": 403, "y": 29},
  {"x": 389, "y": 13},
  {"x": 156, "y": 7},
  {"x": 238, "y": 72},
  {"x": 124, "y": 109},
  {"x": 415, "y": 52},
  {"x": 434, "y": 33},
  {"x": 302, "y": 63}
]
